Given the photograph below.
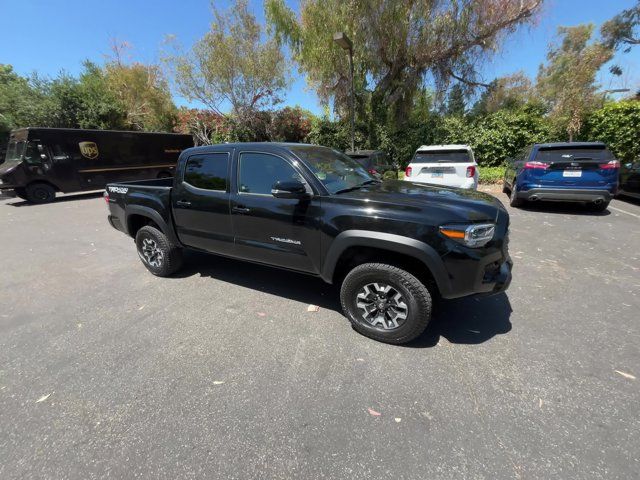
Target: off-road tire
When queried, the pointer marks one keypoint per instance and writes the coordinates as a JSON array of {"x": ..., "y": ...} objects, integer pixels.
[
  {"x": 514, "y": 201},
  {"x": 40, "y": 192},
  {"x": 168, "y": 258},
  {"x": 414, "y": 293}
]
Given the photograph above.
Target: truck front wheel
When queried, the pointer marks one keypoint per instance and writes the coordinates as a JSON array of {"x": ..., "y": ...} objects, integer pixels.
[
  {"x": 157, "y": 253},
  {"x": 40, "y": 193},
  {"x": 385, "y": 303}
]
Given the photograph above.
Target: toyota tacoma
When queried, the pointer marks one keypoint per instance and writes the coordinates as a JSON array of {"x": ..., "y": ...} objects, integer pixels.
[{"x": 392, "y": 247}]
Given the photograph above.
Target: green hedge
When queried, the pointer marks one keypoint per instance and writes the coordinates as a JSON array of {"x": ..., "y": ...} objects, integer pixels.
[{"x": 490, "y": 175}]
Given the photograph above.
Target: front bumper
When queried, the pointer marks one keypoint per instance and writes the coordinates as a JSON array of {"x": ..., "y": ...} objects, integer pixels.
[{"x": 565, "y": 195}]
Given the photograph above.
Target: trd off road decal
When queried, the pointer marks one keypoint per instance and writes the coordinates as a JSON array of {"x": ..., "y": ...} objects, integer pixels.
[
  {"x": 118, "y": 189},
  {"x": 89, "y": 150},
  {"x": 286, "y": 240}
]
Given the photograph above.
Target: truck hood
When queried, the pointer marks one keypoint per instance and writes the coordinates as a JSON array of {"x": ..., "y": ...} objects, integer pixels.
[{"x": 468, "y": 204}]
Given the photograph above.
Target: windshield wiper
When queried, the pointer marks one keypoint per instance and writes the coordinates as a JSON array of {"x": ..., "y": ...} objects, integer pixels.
[{"x": 357, "y": 187}]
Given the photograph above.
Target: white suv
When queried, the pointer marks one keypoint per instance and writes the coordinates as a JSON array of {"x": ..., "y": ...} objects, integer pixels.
[{"x": 448, "y": 165}]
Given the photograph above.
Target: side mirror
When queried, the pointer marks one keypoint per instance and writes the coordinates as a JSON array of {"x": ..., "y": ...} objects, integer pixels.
[{"x": 289, "y": 189}]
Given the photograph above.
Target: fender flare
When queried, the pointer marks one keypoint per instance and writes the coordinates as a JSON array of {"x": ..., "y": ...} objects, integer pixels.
[
  {"x": 387, "y": 241},
  {"x": 152, "y": 215}
]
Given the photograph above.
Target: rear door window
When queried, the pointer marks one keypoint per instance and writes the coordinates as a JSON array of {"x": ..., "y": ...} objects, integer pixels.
[
  {"x": 442, "y": 156},
  {"x": 208, "y": 171}
]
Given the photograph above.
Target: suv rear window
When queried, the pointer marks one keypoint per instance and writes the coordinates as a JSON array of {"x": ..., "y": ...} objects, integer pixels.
[
  {"x": 568, "y": 154},
  {"x": 442, "y": 156}
]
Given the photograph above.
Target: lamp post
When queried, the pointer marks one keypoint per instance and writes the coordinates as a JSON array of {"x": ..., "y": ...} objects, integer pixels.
[{"x": 345, "y": 43}]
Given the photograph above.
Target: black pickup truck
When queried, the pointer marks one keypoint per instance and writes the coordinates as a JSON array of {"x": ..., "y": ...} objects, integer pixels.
[{"x": 392, "y": 247}]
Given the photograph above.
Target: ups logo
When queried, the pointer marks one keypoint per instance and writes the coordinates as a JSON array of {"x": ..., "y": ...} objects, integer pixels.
[{"x": 89, "y": 150}]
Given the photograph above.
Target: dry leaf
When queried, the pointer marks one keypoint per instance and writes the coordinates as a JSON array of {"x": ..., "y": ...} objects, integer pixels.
[
  {"x": 313, "y": 308},
  {"x": 398, "y": 419},
  {"x": 373, "y": 412},
  {"x": 218, "y": 382},
  {"x": 43, "y": 398},
  {"x": 625, "y": 375},
  {"x": 262, "y": 314},
  {"x": 141, "y": 307}
]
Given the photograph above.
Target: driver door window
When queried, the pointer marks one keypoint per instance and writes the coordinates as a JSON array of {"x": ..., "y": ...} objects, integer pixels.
[
  {"x": 35, "y": 154},
  {"x": 257, "y": 172}
]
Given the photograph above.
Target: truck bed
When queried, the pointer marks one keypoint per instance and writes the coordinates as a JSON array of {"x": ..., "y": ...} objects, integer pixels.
[{"x": 147, "y": 197}]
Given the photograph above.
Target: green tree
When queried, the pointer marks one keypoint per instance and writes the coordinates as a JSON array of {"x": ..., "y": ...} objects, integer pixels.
[
  {"x": 617, "y": 124},
  {"x": 21, "y": 100},
  {"x": 456, "y": 104},
  {"x": 232, "y": 64},
  {"x": 142, "y": 91},
  {"x": 567, "y": 81},
  {"x": 398, "y": 45},
  {"x": 621, "y": 30},
  {"x": 510, "y": 92}
]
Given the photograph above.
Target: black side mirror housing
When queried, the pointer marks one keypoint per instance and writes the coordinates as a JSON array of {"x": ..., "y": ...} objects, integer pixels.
[{"x": 289, "y": 189}]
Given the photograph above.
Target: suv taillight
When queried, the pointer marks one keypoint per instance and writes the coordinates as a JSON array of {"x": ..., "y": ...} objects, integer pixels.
[
  {"x": 471, "y": 171},
  {"x": 612, "y": 165},
  {"x": 536, "y": 166},
  {"x": 106, "y": 197},
  {"x": 407, "y": 172}
]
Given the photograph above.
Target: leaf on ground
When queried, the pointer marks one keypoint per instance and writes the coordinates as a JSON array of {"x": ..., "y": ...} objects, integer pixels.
[
  {"x": 625, "y": 374},
  {"x": 44, "y": 397},
  {"x": 398, "y": 419},
  {"x": 359, "y": 359},
  {"x": 313, "y": 308},
  {"x": 373, "y": 412},
  {"x": 262, "y": 314},
  {"x": 218, "y": 382},
  {"x": 141, "y": 307}
]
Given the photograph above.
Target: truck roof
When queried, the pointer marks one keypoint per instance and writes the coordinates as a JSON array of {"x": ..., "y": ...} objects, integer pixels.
[
  {"x": 435, "y": 148},
  {"x": 51, "y": 129}
]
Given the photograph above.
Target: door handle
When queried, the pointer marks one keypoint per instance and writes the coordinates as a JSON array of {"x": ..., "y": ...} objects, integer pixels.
[
  {"x": 183, "y": 203},
  {"x": 240, "y": 209}
]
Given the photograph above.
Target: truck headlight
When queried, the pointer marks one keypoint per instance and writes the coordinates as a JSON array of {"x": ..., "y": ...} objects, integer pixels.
[{"x": 474, "y": 236}]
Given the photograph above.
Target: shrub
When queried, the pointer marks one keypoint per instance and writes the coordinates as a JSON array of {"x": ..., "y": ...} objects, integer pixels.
[
  {"x": 617, "y": 125},
  {"x": 491, "y": 175},
  {"x": 390, "y": 175}
]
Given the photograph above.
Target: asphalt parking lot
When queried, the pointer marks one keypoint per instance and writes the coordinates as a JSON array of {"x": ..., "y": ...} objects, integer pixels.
[{"x": 221, "y": 372}]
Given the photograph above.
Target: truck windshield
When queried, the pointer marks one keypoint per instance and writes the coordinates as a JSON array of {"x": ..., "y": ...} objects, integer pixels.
[
  {"x": 334, "y": 169},
  {"x": 15, "y": 151},
  {"x": 442, "y": 156}
]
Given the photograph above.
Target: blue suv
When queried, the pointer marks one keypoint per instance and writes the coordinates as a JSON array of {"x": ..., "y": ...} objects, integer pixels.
[{"x": 563, "y": 172}]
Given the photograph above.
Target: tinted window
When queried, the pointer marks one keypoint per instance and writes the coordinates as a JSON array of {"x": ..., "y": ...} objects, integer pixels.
[
  {"x": 208, "y": 171},
  {"x": 259, "y": 171},
  {"x": 442, "y": 156},
  {"x": 572, "y": 153}
]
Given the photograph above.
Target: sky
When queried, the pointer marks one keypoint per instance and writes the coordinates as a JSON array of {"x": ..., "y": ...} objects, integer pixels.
[{"x": 49, "y": 36}]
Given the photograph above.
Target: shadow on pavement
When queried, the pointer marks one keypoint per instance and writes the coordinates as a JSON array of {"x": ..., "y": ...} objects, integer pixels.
[
  {"x": 471, "y": 320},
  {"x": 18, "y": 202},
  {"x": 563, "y": 208}
]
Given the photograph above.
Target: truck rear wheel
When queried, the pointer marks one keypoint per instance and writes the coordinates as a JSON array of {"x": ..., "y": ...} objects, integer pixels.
[
  {"x": 40, "y": 193},
  {"x": 385, "y": 303},
  {"x": 157, "y": 253}
]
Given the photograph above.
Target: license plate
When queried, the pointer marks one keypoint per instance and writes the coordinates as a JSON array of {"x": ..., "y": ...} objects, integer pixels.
[
  {"x": 437, "y": 175},
  {"x": 572, "y": 173}
]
